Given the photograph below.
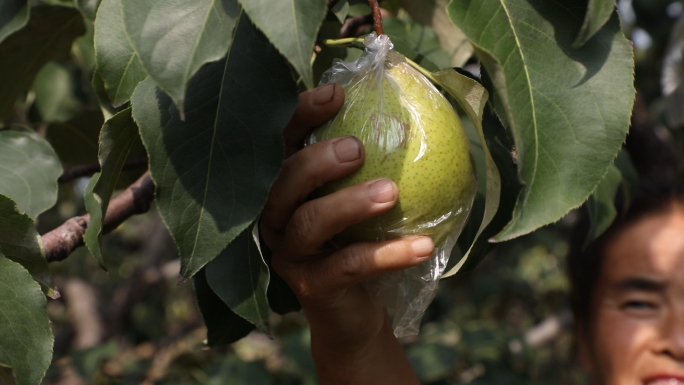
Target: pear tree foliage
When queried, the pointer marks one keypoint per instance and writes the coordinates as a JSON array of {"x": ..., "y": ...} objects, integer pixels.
[{"x": 202, "y": 89}]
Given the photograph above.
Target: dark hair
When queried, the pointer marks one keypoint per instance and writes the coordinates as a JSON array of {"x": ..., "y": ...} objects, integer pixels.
[{"x": 584, "y": 264}]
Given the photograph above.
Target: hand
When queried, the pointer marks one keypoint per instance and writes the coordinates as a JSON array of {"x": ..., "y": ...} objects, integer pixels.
[{"x": 351, "y": 335}]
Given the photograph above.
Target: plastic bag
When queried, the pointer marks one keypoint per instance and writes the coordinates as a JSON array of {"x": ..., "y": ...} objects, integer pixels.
[{"x": 411, "y": 135}]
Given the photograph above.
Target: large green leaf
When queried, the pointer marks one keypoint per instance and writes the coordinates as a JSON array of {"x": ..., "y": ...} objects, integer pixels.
[
  {"x": 116, "y": 140},
  {"x": 25, "y": 336},
  {"x": 601, "y": 204},
  {"x": 433, "y": 13},
  {"x": 174, "y": 38},
  {"x": 213, "y": 171},
  {"x": 240, "y": 277},
  {"x": 48, "y": 36},
  {"x": 292, "y": 26},
  {"x": 29, "y": 169},
  {"x": 117, "y": 63},
  {"x": 21, "y": 243},
  {"x": 568, "y": 109},
  {"x": 598, "y": 14},
  {"x": 223, "y": 326},
  {"x": 14, "y": 14}
]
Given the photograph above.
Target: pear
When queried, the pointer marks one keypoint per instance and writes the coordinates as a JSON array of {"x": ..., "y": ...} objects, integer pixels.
[{"x": 411, "y": 135}]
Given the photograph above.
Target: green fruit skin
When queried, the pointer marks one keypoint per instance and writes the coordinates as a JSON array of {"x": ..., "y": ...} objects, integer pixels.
[{"x": 411, "y": 135}]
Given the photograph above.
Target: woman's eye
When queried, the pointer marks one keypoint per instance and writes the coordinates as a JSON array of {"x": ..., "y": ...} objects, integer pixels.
[{"x": 639, "y": 305}]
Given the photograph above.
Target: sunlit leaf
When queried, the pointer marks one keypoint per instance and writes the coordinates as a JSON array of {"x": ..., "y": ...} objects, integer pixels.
[
  {"x": 116, "y": 140},
  {"x": 240, "y": 277},
  {"x": 29, "y": 169},
  {"x": 341, "y": 10},
  {"x": 174, "y": 38},
  {"x": 292, "y": 27},
  {"x": 25, "y": 336},
  {"x": 48, "y": 36},
  {"x": 213, "y": 171},
  {"x": 568, "y": 109},
  {"x": 117, "y": 63}
]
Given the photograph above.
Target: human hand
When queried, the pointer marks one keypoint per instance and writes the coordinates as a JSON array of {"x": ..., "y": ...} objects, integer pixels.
[{"x": 345, "y": 323}]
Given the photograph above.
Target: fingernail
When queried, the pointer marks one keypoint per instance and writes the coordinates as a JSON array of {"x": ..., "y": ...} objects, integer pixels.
[
  {"x": 324, "y": 95},
  {"x": 422, "y": 247},
  {"x": 382, "y": 191},
  {"x": 347, "y": 149}
]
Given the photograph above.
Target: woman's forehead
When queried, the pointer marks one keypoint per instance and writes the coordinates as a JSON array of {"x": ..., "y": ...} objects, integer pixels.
[{"x": 652, "y": 246}]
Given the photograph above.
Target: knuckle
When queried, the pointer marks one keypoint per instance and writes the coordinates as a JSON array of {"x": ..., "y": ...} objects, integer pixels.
[
  {"x": 350, "y": 263},
  {"x": 303, "y": 225}
]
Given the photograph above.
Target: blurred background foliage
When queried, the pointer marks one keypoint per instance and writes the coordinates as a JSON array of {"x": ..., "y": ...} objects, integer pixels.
[{"x": 506, "y": 322}]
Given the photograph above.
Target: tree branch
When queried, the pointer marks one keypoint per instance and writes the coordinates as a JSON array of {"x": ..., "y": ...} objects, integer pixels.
[
  {"x": 80, "y": 170},
  {"x": 136, "y": 199}
]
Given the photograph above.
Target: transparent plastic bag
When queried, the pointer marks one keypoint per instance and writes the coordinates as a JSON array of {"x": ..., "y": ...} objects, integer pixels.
[{"x": 411, "y": 135}]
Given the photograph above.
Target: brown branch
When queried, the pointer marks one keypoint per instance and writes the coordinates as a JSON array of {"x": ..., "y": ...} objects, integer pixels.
[
  {"x": 136, "y": 199},
  {"x": 80, "y": 170},
  {"x": 377, "y": 17}
]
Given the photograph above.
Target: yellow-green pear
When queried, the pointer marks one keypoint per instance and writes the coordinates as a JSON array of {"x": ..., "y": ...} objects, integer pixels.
[{"x": 411, "y": 135}]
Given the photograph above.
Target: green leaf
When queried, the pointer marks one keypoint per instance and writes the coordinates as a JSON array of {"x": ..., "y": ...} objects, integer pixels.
[
  {"x": 420, "y": 38},
  {"x": 472, "y": 97},
  {"x": 341, "y": 10},
  {"x": 55, "y": 99},
  {"x": 292, "y": 26},
  {"x": 405, "y": 49},
  {"x": 25, "y": 336},
  {"x": 601, "y": 204},
  {"x": 117, "y": 63},
  {"x": 598, "y": 14},
  {"x": 88, "y": 8},
  {"x": 213, "y": 171},
  {"x": 240, "y": 277},
  {"x": 510, "y": 187},
  {"x": 174, "y": 38},
  {"x": 223, "y": 326},
  {"x": 48, "y": 36},
  {"x": 14, "y": 14},
  {"x": 21, "y": 243},
  {"x": 433, "y": 13},
  {"x": 116, "y": 140},
  {"x": 75, "y": 141},
  {"x": 630, "y": 178},
  {"x": 108, "y": 110},
  {"x": 29, "y": 169},
  {"x": 568, "y": 109},
  {"x": 280, "y": 296}
]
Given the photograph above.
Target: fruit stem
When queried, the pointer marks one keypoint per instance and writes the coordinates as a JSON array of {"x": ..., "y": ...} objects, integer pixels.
[{"x": 377, "y": 17}]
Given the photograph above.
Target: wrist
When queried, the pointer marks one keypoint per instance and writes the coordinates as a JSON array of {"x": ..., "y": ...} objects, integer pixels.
[{"x": 378, "y": 360}]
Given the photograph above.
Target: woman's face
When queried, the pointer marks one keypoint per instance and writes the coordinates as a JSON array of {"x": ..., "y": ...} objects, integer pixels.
[{"x": 637, "y": 329}]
